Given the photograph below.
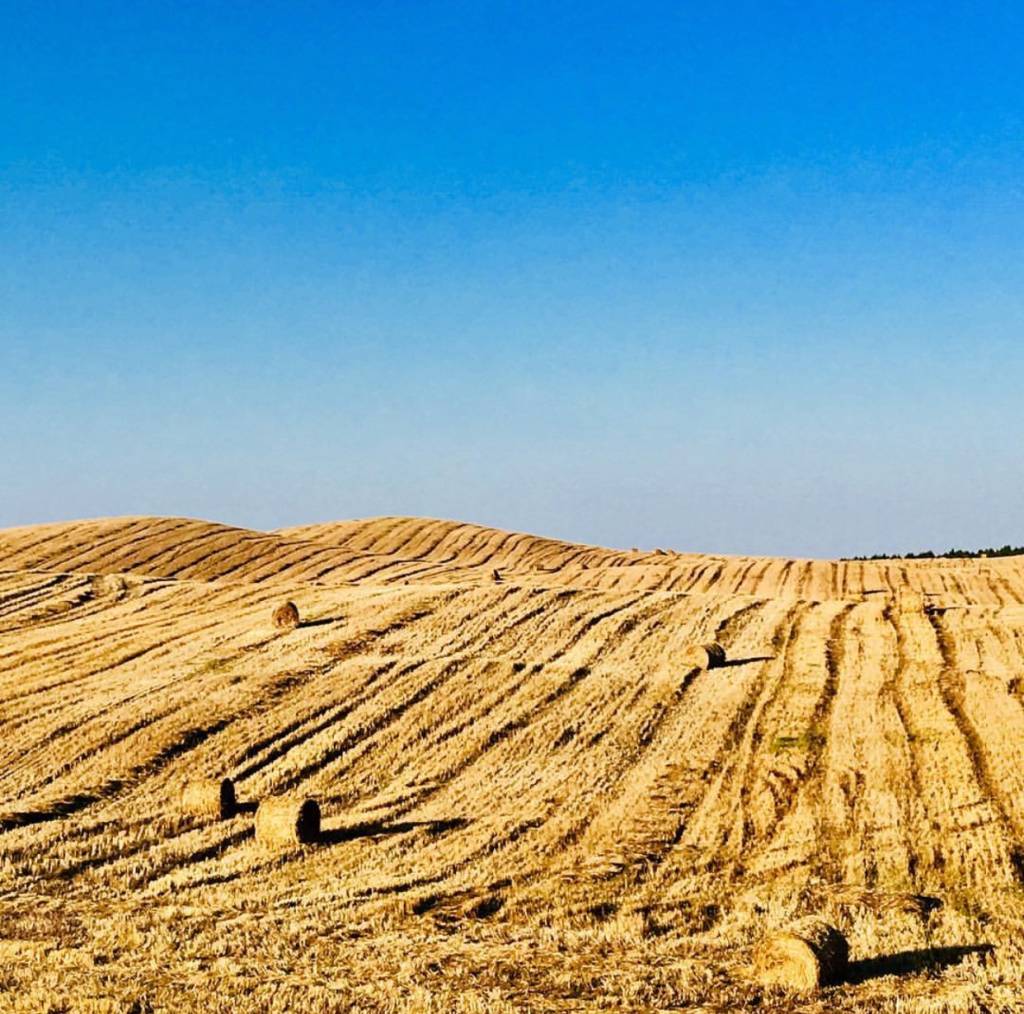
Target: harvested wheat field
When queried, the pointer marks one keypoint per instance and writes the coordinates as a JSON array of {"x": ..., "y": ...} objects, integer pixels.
[{"x": 527, "y": 798}]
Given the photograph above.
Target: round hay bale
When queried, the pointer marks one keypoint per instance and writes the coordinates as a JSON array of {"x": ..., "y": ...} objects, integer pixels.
[
  {"x": 209, "y": 797},
  {"x": 704, "y": 656},
  {"x": 286, "y": 617},
  {"x": 286, "y": 821},
  {"x": 805, "y": 955}
]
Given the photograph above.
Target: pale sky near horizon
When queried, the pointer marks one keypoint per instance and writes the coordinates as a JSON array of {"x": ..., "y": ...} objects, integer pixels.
[{"x": 728, "y": 278}]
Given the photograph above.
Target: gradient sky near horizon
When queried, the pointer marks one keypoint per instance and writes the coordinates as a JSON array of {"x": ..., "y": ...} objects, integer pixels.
[{"x": 738, "y": 277}]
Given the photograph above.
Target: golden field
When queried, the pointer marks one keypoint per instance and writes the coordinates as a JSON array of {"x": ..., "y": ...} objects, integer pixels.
[{"x": 529, "y": 801}]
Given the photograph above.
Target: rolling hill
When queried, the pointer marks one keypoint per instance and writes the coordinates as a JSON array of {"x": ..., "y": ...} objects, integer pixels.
[{"x": 529, "y": 802}]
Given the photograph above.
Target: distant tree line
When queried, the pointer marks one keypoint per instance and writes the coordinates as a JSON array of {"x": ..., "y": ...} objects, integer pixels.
[{"x": 952, "y": 554}]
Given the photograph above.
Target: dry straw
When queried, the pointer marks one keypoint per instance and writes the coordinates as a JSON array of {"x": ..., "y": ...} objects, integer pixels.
[
  {"x": 805, "y": 955},
  {"x": 880, "y": 902},
  {"x": 286, "y": 617},
  {"x": 209, "y": 797},
  {"x": 909, "y": 600},
  {"x": 704, "y": 656},
  {"x": 285, "y": 821}
]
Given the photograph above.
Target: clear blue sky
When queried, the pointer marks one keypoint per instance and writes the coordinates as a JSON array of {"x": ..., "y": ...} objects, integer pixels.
[{"x": 741, "y": 277}]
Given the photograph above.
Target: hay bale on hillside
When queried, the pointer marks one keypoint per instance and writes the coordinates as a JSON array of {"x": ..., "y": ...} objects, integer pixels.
[
  {"x": 209, "y": 797},
  {"x": 805, "y": 955},
  {"x": 286, "y": 617},
  {"x": 704, "y": 656},
  {"x": 286, "y": 821}
]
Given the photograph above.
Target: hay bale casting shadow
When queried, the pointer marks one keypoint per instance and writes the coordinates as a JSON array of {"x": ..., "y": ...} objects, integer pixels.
[
  {"x": 704, "y": 656},
  {"x": 286, "y": 821},
  {"x": 803, "y": 956},
  {"x": 286, "y": 617},
  {"x": 210, "y": 797}
]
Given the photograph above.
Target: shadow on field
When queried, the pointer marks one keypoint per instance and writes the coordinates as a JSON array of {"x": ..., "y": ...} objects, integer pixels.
[
  {"x": 373, "y": 828},
  {"x": 55, "y": 811},
  {"x": 322, "y": 622},
  {"x": 730, "y": 662},
  {"x": 908, "y": 962}
]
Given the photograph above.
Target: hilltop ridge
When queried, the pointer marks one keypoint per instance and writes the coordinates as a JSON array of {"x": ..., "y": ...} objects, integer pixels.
[{"x": 389, "y": 550}]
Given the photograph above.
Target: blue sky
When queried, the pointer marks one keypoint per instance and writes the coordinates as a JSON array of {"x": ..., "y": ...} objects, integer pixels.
[{"x": 735, "y": 278}]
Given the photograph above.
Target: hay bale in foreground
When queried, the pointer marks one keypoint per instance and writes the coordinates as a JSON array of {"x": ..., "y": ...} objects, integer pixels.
[
  {"x": 803, "y": 956},
  {"x": 286, "y": 821},
  {"x": 286, "y": 617},
  {"x": 209, "y": 797},
  {"x": 704, "y": 656}
]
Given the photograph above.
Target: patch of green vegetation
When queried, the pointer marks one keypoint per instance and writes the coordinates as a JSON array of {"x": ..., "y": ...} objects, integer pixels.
[
  {"x": 211, "y": 666},
  {"x": 967, "y": 904},
  {"x": 811, "y": 739},
  {"x": 950, "y": 554}
]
